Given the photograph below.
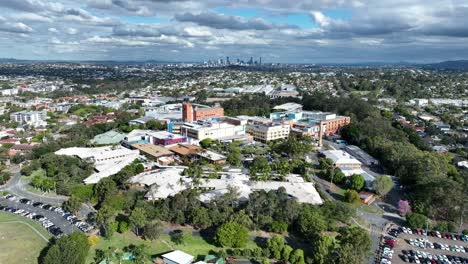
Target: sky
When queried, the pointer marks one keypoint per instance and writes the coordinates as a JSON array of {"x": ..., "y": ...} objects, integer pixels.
[{"x": 285, "y": 31}]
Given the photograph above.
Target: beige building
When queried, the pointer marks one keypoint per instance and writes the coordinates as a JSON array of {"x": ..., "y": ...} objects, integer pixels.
[
  {"x": 265, "y": 132},
  {"x": 222, "y": 130}
]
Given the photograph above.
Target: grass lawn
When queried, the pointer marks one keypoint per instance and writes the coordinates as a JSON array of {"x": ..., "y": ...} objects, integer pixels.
[
  {"x": 193, "y": 245},
  {"x": 18, "y": 243}
]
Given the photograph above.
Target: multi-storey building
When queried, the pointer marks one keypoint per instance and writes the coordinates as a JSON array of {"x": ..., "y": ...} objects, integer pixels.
[
  {"x": 265, "y": 132},
  {"x": 192, "y": 112},
  {"x": 33, "y": 118},
  {"x": 222, "y": 130}
]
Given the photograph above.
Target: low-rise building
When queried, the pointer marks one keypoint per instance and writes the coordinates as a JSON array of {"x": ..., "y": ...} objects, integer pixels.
[
  {"x": 177, "y": 257},
  {"x": 108, "y": 138},
  {"x": 107, "y": 160},
  {"x": 160, "y": 154},
  {"x": 342, "y": 159}
]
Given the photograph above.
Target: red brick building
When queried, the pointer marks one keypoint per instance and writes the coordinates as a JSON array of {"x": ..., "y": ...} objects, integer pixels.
[
  {"x": 334, "y": 125},
  {"x": 191, "y": 113}
]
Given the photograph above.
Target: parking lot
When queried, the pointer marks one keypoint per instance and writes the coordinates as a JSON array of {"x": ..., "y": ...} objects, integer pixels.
[
  {"x": 56, "y": 218},
  {"x": 427, "y": 248}
]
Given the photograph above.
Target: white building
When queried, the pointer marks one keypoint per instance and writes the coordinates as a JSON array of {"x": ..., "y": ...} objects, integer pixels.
[
  {"x": 32, "y": 118},
  {"x": 215, "y": 130},
  {"x": 177, "y": 257},
  {"x": 342, "y": 159},
  {"x": 265, "y": 132},
  {"x": 169, "y": 182},
  {"x": 107, "y": 160}
]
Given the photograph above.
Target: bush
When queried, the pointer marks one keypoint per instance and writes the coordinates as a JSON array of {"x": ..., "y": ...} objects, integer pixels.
[
  {"x": 465, "y": 232},
  {"x": 416, "y": 220},
  {"x": 352, "y": 196}
]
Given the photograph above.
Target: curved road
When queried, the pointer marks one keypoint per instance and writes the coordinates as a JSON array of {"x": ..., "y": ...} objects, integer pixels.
[{"x": 18, "y": 188}]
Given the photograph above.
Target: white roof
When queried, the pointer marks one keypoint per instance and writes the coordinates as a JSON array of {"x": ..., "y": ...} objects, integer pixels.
[
  {"x": 171, "y": 183},
  {"x": 178, "y": 257},
  {"x": 340, "y": 157},
  {"x": 211, "y": 155},
  {"x": 288, "y": 106},
  {"x": 107, "y": 160}
]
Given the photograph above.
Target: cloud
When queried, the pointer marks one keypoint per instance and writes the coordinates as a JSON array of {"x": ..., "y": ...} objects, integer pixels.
[
  {"x": 71, "y": 31},
  {"x": 221, "y": 21},
  {"x": 14, "y": 27}
]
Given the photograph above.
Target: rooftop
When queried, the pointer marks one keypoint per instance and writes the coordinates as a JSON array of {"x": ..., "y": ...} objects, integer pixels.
[
  {"x": 185, "y": 149},
  {"x": 178, "y": 256},
  {"x": 153, "y": 150}
]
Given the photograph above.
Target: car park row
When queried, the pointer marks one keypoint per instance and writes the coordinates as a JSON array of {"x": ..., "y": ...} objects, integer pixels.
[
  {"x": 389, "y": 243},
  {"x": 69, "y": 221}
]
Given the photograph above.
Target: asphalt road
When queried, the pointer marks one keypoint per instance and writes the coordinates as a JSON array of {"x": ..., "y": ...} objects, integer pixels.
[
  {"x": 54, "y": 217},
  {"x": 17, "y": 187}
]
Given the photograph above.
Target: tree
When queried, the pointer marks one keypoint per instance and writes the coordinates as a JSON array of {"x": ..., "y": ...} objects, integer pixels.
[
  {"x": 232, "y": 234},
  {"x": 297, "y": 257},
  {"x": 286, "y": 253},
  {"x": 275, "y": 244},
  {"x": 357, "y": 182},
  {"x": 382, "y": 185},
  {"x": 339, "y": 177},
  {"x": 311, "y": 222},
  {"x": 352, "y": 196},
  {"x": 178, "y": 237},
  {"x": 416, "y": 220},
  {"x": 322, "y": 248},
  {"x": 201, "y": 217},
  {"x": 71, "y": 249},
  {"x": 206, "y": 143},
  {"x": 152, "y": 230},
  {"x": 262, "y": 166},
  {"x": 72, "y": 205},
  {"x": 138, "y": 218},
  {"x": 105, "y": 189},
  {"x": 104, "y": 218},
  {"x": 355, "y": 245},
  {"x": 138, "y": 252},
  {"x": 404, "y": 207}
]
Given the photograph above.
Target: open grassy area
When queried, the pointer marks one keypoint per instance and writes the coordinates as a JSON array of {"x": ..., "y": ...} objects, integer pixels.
[
  {"x": 194, "y": 245},
  {"x": 18, "y": 242}
]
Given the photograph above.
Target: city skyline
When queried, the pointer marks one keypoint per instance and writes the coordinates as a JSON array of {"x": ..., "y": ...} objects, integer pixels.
[{"x": 278, "y": 31}]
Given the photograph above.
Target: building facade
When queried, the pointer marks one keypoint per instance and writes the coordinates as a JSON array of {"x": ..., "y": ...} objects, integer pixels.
[
  {"x": 265, "y": 132},
  {"x": 34, "y": 118},
  {"x": 191, "y": 113}
]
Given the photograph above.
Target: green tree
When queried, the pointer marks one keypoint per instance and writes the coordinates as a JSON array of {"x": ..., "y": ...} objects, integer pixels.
[
  {"x": 178, "y": 237},
  {"x": 201, "y": 217},
  {"x": 297, "y": 257},
  {"x": 232, "y": 234},
  {"x": 357, "y": 182},
  {"x": 104, "y": 217},
  {"x": 416, "y": 220},
  {"x": 105, "y": 189},
  {"x": 71, "y": 249},
  {"x": 275, "y": 244},
  {"x": 310, "y": 223},
  {"x": 322, "y": 249},
  {"x": 206, "y": 143},
  {"x": 355, "y": 245},
  {"x": 352, "y": 196},
  {"x": 152, "y": 230},
  {"x": 339, "y": 177},
  {"x": 382, "y": 185},
  {"x": 138, "y": 218},
  {"x": 72, "y": 205},
  {"x": 286, "y": 253}
]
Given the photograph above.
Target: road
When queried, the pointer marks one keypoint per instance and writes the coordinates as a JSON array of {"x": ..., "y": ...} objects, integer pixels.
[
  {"x": 17, "y": 187},
  {"x": 377, "y": 222}
]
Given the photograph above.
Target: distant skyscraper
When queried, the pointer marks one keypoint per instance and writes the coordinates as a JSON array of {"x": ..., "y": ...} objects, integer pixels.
[
  {"x": 227, "y": 60},
  {"x": 260, "y": 60},
  {"x": 251, "y": 61}
]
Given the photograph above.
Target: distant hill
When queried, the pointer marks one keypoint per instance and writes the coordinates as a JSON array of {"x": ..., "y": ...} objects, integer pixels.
[{"x": 458, "y": 65}]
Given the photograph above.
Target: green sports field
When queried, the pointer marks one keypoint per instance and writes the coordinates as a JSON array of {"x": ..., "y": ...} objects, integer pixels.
[{"x": 19, "y": 243}]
